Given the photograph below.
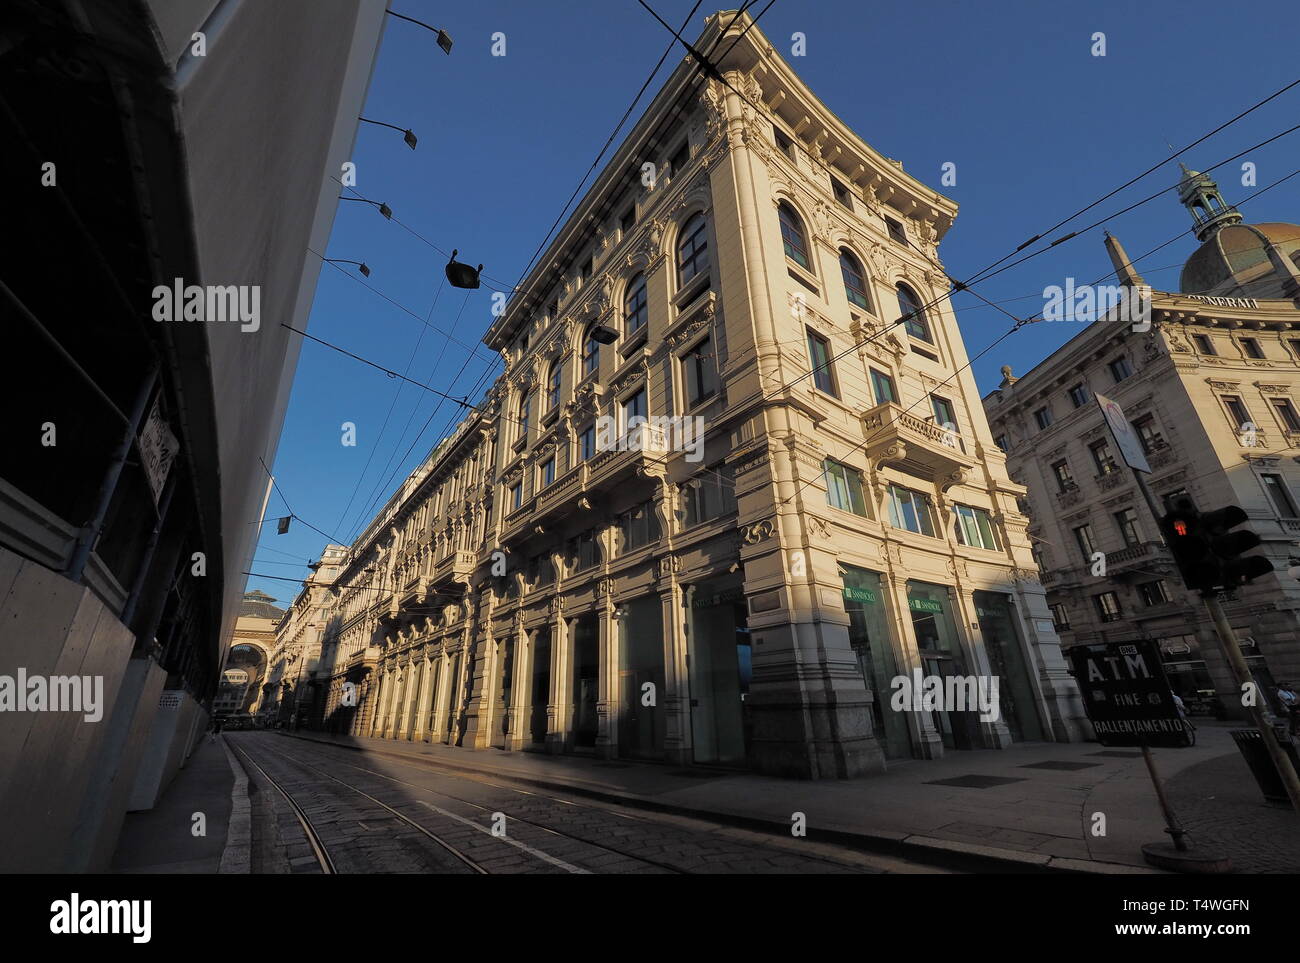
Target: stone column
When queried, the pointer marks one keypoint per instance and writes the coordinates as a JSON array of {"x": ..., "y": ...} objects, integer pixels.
[
  {"x": 607, "y": 694},
  {"x": 440, "y": 706},
  {"x": 675, "y": 700},
  {"x": 520, "y": 687},
  {"x": 927, "y": 742},
  {"x": 419, "y": 725},
  {"x": 559, "y": 711},
  {"x": 1051, "y": 678}
]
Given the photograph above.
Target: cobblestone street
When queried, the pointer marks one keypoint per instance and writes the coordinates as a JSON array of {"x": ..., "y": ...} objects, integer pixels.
[{"x": 372, "y": 814}]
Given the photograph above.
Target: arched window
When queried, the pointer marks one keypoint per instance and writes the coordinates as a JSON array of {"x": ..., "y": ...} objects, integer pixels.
[
  {"x": 590, "y": 353},
  {"x": 796, "y": 248},
  {"x": 855, "y": 281},
  {"x": 692, "y": 250},
  {"x": 909, "y": 306},
  {"x": 634, "y": 306},
  {"x": 553, "y": 387}
]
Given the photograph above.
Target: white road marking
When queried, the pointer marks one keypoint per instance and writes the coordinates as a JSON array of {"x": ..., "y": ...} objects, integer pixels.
[{"x": 547, "y": 857}]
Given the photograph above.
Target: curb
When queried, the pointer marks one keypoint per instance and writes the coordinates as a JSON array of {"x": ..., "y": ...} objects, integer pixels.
[
  {"x": 947, "y": 853},
  {"x": 238, "y": 853}
]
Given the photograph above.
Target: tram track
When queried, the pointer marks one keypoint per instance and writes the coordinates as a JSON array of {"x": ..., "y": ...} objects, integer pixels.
[{"x": 313, "y": 834}]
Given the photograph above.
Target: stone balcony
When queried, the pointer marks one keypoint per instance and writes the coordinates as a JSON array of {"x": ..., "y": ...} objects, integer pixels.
[
  {"x": 1069, "y": 496},
  {"x": 898, "y": 437},
  {"x": 1152, "y": 558},
  {"x": 452, "y": 571}
]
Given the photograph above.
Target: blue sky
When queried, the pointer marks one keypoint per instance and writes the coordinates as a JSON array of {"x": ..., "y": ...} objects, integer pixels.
[{"x": 1009, "y": 92}]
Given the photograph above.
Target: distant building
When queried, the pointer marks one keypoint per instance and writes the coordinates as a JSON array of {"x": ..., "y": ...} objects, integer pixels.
[
  {"x": 1213, "y": 393},
  {"x": 151, "y": 147},
  {"x": 564, "y": 575},
  {"x": 296, "y": 681},
  {"x": 255, "y": 631}
]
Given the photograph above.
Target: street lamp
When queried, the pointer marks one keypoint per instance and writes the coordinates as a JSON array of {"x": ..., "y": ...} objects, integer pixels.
[
  {"x": 384, "y": 209},
  {"x": 407, "y": 134},
  {"x": 361, "y": 265},
  {"x": 444, "y": 38},
  {"x": 462, "y": 275}
]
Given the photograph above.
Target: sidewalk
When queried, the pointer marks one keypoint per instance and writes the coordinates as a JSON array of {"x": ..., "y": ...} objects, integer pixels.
[
  {"x": 161, "y": 840},
  {"x": 1030, "y": 807}
]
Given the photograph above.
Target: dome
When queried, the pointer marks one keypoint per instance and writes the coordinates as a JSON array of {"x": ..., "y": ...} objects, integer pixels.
[
  {"x": 257, "y": 604},
  {"x": 1246, "y": 260}
]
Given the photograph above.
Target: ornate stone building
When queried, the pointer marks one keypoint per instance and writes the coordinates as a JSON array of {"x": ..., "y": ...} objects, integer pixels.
[
  {"x": 1211, "y": 390},
  {"x": 560, "y": 575}
]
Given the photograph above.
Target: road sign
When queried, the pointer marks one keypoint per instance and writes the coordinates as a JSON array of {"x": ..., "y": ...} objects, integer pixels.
[
  {"x": 158, "y": 448},
  {"x": 1130, "y": 447},
  {"x": 1126, "y": 694}
]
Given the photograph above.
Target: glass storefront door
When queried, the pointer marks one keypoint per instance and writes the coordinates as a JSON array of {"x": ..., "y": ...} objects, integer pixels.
[
  {"x": 641, "y": 665},
  {"x": 931, "y": 608},
  {"x": 869, "y": 636},
  {"x": 1019, "y": 708},
  {"x": 586, "y": 664},
  {"x": 721, "y": 668}
]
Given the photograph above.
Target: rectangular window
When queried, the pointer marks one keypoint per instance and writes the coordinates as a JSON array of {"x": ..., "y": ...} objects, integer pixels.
[
  {"x": 587, "y": 443},
  {"x": 1204, "y": 344},
  {"x": 633, "y": 407},
  {"x": 1148, "y": 434},
  {"x": 681, "y": 159},
  {"x": 1153, "y": 593},
  {"x": 896, "y": 230},
  {"x": 1102, "y": 457},
  {"x": 1280, "y": 497},
  {"x": 547, "y": 473},
  {"x": 1043, "y": 416},
  {"x": 944, "y": 414},
  {"x": 1083, "y": 537},
  {"x": 637, "y": 527},
  {"x": 1127, "y": 524},
  {"x": 883, "y": 387},
  {"x": 1286, "y": 413},
  {"x": 1079, "y": 395},
  {"x": 844, "y": 488},
  {"x": 628, "y": 221},
  {"x": 516, "y": 495},
  {"x": 1295, "y": 345},
  {"x": 784, "y": 142},
  {"x": 582, "y": 551},
  {"x": 975, "y": 528},
  {"x": 709, "y": 494},
  {"x": 1236, "y": 410},
  {"x": 1252, "y": 348},
  {"x": 1002, "y": 442},
  {"x": 1060, "y": 617},
  {"x": 541, "y": 571},
  {"x": 842, "y": 195},
  {"x": 819, "y": 355},
  {"x": 1120, "y": 369},
  {"x": 701, "y": 373},
  {"x": 1064, "y": 477},
  {"x": 586, "y": 269},
  {"x": 1174, "y": 497},
  {"x": 1108, "y": 606},
  {"x": 911, "y": 510}
]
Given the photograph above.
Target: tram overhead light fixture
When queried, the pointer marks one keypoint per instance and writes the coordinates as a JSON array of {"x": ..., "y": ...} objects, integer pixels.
[{"x": 462, "y": 275}]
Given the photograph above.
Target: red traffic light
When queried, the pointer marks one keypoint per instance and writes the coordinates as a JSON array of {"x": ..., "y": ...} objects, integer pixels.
[{"x": 1180, "y": 527}]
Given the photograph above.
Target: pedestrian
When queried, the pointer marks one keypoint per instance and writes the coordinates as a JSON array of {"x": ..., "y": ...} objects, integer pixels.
[
  {"x": 214, "y": 730},
  {"x": 1182, "y": 715},
  {"x": 1290, "y": 704}
]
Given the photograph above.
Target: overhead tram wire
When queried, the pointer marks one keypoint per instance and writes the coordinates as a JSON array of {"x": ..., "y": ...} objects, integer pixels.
[
  {"x": 608, "y": 142},
  {"x": 1150, "y": 170},
  {"x": 292, "y": 514},
  {"x": 392, "y": 405}
]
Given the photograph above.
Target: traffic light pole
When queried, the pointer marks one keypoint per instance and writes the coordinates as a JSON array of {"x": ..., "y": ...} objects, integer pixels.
[{"x": 1232, "y": 652}]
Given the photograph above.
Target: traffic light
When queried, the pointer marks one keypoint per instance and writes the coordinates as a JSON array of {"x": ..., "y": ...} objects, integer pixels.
[
  {"x": 1207, "y": 554},
  {"x": 1186, "y": 539},
  {"x": 1228, "y": 546}
]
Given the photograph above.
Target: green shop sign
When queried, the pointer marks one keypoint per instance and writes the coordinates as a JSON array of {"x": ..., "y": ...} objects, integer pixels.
[
  {"x": 924, "y": 605},
  {"x": 860, "y": 595}
]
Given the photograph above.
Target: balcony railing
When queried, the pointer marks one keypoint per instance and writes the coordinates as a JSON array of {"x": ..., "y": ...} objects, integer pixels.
[{"x": 904, "y": 438}]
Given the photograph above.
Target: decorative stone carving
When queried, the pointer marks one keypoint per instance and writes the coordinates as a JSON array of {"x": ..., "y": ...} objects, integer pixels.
[
  {"x": 758, "y": 532},
  {"x": 818, "y": 527}
]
